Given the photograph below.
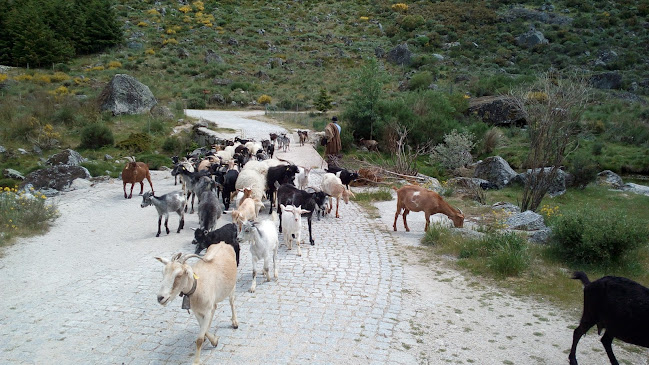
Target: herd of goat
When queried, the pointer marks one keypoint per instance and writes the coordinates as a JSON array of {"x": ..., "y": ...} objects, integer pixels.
[{"x": 242, "y": 174}]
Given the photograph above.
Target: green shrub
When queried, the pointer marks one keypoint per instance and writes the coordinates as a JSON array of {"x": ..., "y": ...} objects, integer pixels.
[
  {"x": 154, "y": 161},
  {"x": 420, "y": 80},
  {"x": 102, "y": 168},
  {"x": 582, "y": 168},
  {"x": 412, "y": 22},
  {"x": 196, "y": 103},
  {"x": 436, "y": 234},
  {"x": 597, "y": 237},
  {"x": 508, "y": 254},
  {"x": 8, "y": 183},
  {"x": 95, "y": 136},
  {"x": 136, "y": 143}
]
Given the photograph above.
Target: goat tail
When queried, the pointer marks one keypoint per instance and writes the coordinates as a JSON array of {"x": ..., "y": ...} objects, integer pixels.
[{"x": 581, "y": 276}]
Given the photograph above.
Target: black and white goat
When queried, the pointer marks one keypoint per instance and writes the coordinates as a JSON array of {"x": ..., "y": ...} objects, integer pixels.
[
  {"x": 345, "y": 176},
  {"x": 288, "y": 194},
  {"x": 618, "y": 305},
  {"x": 283, "y": 174},
  {"x": 228, "y": 234}
]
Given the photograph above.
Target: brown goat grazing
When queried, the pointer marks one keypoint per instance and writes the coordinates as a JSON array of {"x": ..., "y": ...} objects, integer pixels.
[
  {"x": 370, "y": 144},
  {"x": 136, "y": 172},
  {"x": 417, "y": 199}
]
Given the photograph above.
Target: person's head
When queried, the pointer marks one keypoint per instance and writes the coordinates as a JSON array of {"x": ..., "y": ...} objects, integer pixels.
[{"x": 334, "y": 119}]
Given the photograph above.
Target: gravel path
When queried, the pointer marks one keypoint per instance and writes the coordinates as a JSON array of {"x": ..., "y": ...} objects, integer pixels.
[{"x": 85, "y": 293}]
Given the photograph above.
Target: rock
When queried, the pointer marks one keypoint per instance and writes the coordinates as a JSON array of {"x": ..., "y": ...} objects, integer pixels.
[
  {"x": 450, "y": 45},
  {"x": 497, "y": 110},
  {"x": 162, "y": 112},
  {"x": 262, "y": 75},
  {"x": 465, "y": 183},
  {"x": 57, "y": 177},
  {"x": 79, "y": 184},
  {"x": 217, "y": 99},
  {"x": 507, "y": 207},
  {"x": 541, "y": 236},
  {"x": 13, "y": 174},
  {"x": 536, "y": 15},
  {"x": 438, "y": 57},
  {"x": 636, "y": 188},
  {"x": 125, "y": 95},
  {"x": 108, "y": 157},
  {"x": 275, "y": 62},
  {"x": 134, "y": 45},
  {"x": 609, "y": 178},
  {"x": 526, "y": 221},
  {"x": 468, "y": 233},
  {"x": 430, "y": 183},
  {"x": 557, "y": 186},
  {"x": 3, "y": 149},
  {"x": 531, "y": 38},
  {"x": 379, "y": 52},
  {"x": 221, "y": 82},
  {"x": 400, "y": 55},
  {"x": 606, "y": 58},
  {"x": 212, "y": 57},
  {"x": 22, "y": 151},
  {"x": 37, "y": 150},
  {"x": 66, "y": 157},
  {"x": 183, "y": 53},
  {"x": 607, "y": 80},
  {"x": 495, "y": 170},
  {"x": 233, "y": 42}
]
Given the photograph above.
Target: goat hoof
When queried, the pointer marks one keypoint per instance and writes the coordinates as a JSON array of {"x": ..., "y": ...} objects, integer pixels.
[{"x": 157, "y": 235}]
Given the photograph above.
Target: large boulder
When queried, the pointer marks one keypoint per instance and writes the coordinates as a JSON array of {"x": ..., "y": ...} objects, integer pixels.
[
  {"x": 162, "y": 112},
  {"x": 506, "y": 207},
  {"x": 557, "y": 185},
  {"x": 609, "y": 178},
  {"x": 495, "y": 170},
  {"x": 466, "y": 184},
  {"x": 636, "y": 188},
  {"x": 125, "y": 95},
  {"x": 607, "y": 80},
  {"x": 497, "y": 110},
  {"x": 525, "y": 221},
  {"x": 58, "y": 177},
  {"x": 531, "y": 38},
  {"x": 66, "y": 157},
  {"x": 400, "y": 55}
]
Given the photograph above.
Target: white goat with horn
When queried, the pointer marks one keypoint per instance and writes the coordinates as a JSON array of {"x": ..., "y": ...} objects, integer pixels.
[{"x": 202, "y": 286}]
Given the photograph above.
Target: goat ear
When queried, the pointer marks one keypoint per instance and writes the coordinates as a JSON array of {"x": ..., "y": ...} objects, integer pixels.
[{"x": 163, "y": 260}]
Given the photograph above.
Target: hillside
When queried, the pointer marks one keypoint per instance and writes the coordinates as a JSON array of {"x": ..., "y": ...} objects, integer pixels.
[{"x": 229, "y": 53}]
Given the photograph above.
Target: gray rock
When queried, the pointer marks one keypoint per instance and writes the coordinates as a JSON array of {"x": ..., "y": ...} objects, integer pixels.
[
  {"x": 108, "y": 157},
  {"x": 3, "y": 149},
  {"x": 466, "y": 183},
  {"x": 400, "y": 55},
  {"x": 438, "y": 57},
  {"x": 606, "y": 58},
  {"x": 134, "y": 45},
  {"x": 379, "y": 52},
  {"x": 212, "y": 57},
  {"x": 56, "y": 177},
  {"x": 66, "y": 157},
  {"x": 233, "y": 42},
  {"x": 495, "y": 170},
  {"x": 275, "y": 62},
  {"x": 507, "y": 207},
  {"x": 125, "y": 95},
  {"x": 526, "y": 221},
  {"x": 162, "y": 112},
  {"x": 609, "y": 178},
  {"x": 37, "y": 150},
  {"x": 22, "y": 151},
  {"x": 79, "y": 184},
  {"x": 557, "y": 186},
  {"x": 221, "y": 82},
  {"x": 607, "y": 80},
  {"x": 531, "y": 38},
  {"x": 636, "y": 188},
  {"x": 450, "y": 45},
  {"x": 13, "y": 174},
  {"x": 183, "y": 53},
  {"x": 497, "y": 110},
  {"x": 217, "y": 99},
  {"x": 541, "y": 236}
]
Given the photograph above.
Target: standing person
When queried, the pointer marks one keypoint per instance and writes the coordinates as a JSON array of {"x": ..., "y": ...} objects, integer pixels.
[{"x": 334, "y": 146}]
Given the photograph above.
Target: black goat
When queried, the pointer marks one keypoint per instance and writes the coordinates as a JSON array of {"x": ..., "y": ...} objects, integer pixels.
[
  {"x": 242, "y": 141},
  {"x": 288, "y": 194},
  {"x": 228, "y": 234},
  {"x": 619, "y": 305},
  {"x": 283, "y": 174},
  {"x": 229, "y": 183},
  {"x": 270, "y": 150},
  {"x": 345, "y": 176}
]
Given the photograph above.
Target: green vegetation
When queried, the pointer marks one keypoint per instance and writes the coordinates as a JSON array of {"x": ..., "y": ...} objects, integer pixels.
[{"x": 23, "y": 215}]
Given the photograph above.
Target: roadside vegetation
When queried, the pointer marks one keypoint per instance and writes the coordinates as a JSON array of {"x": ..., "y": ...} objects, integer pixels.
[{"x": 24, "y": 214}]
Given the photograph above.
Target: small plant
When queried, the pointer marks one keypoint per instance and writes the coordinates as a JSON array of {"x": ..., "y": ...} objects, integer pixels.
[
  {"x": 264, "y": 99},
  {"x": 420, "y": 80},
  {"x": 24, "y": 214},
  {"x": 456, "y": 150},
  {"x": 114, "y": 64},
  {"x": 508, "y": 255},
  {"x": 435, "y": 234},
  {"x": 95, "y": 136},
  {"x": 400, "y": 7},
  {"x": 136, "y": 143},
  {"x": 323, "y": 101}
]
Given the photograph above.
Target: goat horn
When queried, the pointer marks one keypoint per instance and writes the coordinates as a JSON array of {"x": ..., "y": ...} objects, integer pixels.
[
  {"x": 175, "y": 257},
  {"x": 186, "y": 257}
]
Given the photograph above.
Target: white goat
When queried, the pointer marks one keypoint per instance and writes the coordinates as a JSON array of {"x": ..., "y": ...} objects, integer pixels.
[
  {"x": 292, "y": 225},
  {"x": 263, "y": 241},
  {"x": 332, "y": 185},
  {"x": 202, "y": 286},
  {"x": 302, "y": 178}
]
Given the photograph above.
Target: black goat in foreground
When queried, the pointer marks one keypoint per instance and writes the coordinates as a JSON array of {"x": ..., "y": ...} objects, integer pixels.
[
  {"x": 228, "y": 234},
  {"x": 618, "y": 305}
]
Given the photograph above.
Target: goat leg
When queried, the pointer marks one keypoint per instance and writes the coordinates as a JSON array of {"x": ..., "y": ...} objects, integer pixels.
[
  {"x": 607, "y": 340},
  {"x": 254, "y": 279},
  {"x": 141, "y": 187},
  {"x": 337, "y": 202},
  {"x": 405, "y": 223},
  {"x": 181, "y": 225},
  {"x": 311, "y": 241},
  {"x": 235, "y": 323},
  {"x": 396, "y": 216},
  {"x": 576, "y": 336},
  {"x": 204, "y": 326},
  {"x": 159, "y": 223},
  {"x": 131, "y": 194},
  {"x": 167, "y": 223}
]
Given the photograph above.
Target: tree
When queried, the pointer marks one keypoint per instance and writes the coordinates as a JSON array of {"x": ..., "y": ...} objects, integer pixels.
[
  {"x": 324, "y": 100},
  {"x": 362, "y": 111},
  {"x": 554, "y": 107}
]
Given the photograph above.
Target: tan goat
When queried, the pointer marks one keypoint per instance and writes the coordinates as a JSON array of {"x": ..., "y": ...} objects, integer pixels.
[
  {"x": 202, "y": 286},
  {"x": 247, "y": 211},
  {"x": 332, "y": 185},
  {"x": 136, "y": 172},
  {"x": 417, "y": 199}
]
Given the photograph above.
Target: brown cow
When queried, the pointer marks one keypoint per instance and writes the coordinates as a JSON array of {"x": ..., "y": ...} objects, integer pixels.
[{"x": 417, "y": 199}]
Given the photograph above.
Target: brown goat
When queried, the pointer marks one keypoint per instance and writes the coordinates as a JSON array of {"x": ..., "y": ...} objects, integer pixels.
[
  {"x": 136, "y": 172},
  {"x": 417, "y": 199},
  {"x": 370, "y": 144}
]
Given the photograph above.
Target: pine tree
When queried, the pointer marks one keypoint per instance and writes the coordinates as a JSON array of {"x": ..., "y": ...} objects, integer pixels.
[{"x": 324, "y": 100}]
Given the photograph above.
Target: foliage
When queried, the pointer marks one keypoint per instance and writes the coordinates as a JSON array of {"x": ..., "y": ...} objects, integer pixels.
[
  {"x": 583, "y": 168},
  {"x": 323, "y": 101},
  {"x": 136, "y": 143},
  {"x": 102, "y": 168},
  {"x": 362, "y": 110},
  {"x": 24, "y": 214},
  {"x": 96, "y": 135},
  {"x": 154, "y": 161},
  {"x": 38, "y": 32},
  {"x": 264, "y": 99},
  {"x": 597, "y": 237},
  {"x": 456, "y": 150},
  {"x": 373, "y": 196},
  {"x": 508, "y": 253},
  {"x": 420, "y": 80}
]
